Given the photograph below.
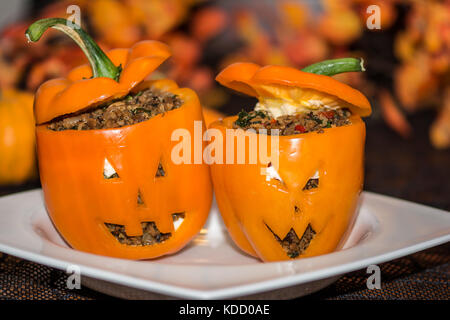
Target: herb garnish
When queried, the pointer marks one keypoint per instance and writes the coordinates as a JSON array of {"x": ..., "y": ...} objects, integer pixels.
[
  {"x": 244, "y": 118},
  {"x": 313, "y": 117},
  {"x": 138, "y": 110}
]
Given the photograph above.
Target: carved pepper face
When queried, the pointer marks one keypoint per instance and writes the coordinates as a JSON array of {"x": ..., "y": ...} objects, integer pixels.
[
  {"x": 116, "y": 192},
  {"x": 304, "y": 207}
]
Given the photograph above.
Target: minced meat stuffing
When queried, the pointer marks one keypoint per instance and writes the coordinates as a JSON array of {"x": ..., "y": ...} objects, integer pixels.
[
  {"x": 316, "y": 120},
  {"x": 292, "y": 244},
  {"x": 150, "y": 233},
  {"x": 132, "y": 109}
]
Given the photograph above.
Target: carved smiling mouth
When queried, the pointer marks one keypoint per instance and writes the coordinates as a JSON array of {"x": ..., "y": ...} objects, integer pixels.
[
  {"x": 292, "y": 244},
  {"x": 150, "y": 232}
]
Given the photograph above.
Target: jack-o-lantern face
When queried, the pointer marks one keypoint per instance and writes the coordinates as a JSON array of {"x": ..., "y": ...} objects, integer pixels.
[
  {"x": 305, "y": 205},
  {"x": 302, "y": 209},
  {"x": 116, "y": 192}
]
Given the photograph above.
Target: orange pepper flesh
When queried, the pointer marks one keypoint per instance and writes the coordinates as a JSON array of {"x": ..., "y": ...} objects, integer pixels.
[{"x": 80, "y": 200}]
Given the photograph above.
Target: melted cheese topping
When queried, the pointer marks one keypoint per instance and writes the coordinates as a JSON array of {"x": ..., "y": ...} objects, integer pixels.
[
  {"x": 279, "y": 100},
  {"x": 279, "y": 107}
]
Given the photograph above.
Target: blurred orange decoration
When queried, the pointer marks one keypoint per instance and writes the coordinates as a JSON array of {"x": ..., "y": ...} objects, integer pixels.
[
  {"x": 205, "y": 36},
  {"x": 340, "y": 24},
  {"x": 17, "y": 160},
  {"x": 207, "y": 23},
  {"x": 423, "y": 77},
  {"x": 113, "y": 23}
]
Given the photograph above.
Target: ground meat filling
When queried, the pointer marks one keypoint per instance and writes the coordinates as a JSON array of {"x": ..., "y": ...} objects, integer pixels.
[
  {"x": 316, "y": 120},
  {"x": 292, "y": 244},
  {"x": 132, "y": 109},
  {"x": 150, "y": 233}
]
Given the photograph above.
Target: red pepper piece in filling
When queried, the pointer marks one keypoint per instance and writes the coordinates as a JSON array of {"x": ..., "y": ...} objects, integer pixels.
[{"x": 328, "y": 114}]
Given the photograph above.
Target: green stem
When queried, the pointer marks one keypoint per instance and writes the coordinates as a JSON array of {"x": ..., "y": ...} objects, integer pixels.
[
  {"x": 101, "y": 65},
  {"x": 335, "y": 66}
]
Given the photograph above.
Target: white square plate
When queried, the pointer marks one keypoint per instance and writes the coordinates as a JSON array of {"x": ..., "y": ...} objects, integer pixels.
[{"x": 211, "y": 267}]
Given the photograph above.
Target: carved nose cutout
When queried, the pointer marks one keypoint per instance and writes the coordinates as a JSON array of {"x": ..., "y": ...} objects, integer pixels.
[
  {"x": 160, "y": 172},
  {"x": 140, "y": 199},
  {"x": 108, "y": 171}
]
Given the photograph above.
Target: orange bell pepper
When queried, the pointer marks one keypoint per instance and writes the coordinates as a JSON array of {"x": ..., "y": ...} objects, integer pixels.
[
  {"x": 79, "y": 199},
  {"x": 260, "y": 212}
]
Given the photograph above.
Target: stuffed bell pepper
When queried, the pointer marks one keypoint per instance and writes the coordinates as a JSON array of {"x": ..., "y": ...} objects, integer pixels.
[
  {"x": 104, "y": 149},
  {"x": 306, "y": 204}
]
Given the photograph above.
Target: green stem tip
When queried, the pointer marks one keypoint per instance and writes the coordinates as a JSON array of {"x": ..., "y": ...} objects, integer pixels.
[
  {"x": 335, "y": 66},
  {"x": 101, "y": 65}
]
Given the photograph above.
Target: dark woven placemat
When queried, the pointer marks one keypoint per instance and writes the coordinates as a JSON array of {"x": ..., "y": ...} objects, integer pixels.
[{"x": 423, "y": 275}]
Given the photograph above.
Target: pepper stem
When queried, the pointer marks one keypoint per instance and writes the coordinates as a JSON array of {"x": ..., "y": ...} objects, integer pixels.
[
  {"x": 101, "y": 65},
  {"x": 335, "y": 66}
]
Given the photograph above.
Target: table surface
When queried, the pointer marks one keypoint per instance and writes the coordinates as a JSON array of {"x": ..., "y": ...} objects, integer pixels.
[{"x": 408, "y": 169}]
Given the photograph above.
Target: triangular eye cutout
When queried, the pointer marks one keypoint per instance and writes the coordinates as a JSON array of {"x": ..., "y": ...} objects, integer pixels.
[
  {"x": 108, "y": 171},
  {"x": 140, "y": 199},
  {"x": 313, "y": 182},
  {"x": 178, "y": 219},
  {"x": 271, "y": 173},
  {"x": 160, "y": 172}
]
